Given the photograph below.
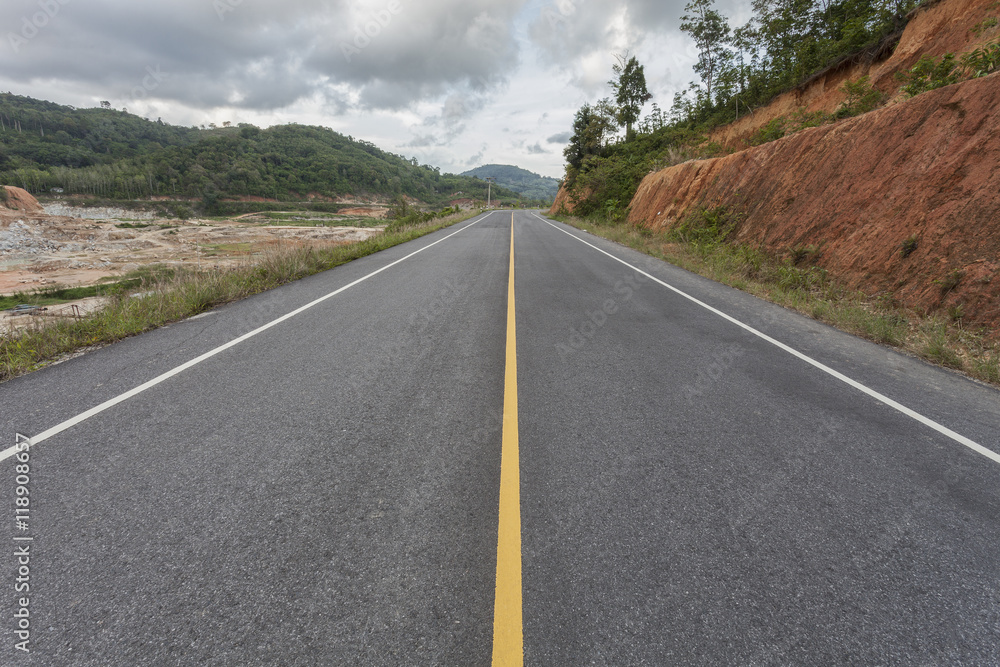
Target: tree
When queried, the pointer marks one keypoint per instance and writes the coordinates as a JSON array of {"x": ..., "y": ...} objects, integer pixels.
[
  {"x": 578, "y": 143},
  {"x": 592, "y": 127},
  {"x": 105, "y": 104},
  {"x": 631, "y": 94},
  {"x": 710, "y": 31}
]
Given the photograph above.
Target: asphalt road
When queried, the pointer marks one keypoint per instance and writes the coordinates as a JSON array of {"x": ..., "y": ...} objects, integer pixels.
[{"x": 325, "y": 491}]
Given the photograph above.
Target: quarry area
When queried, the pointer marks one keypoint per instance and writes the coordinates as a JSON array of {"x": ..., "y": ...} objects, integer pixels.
[{"x": 67, "y": 246}]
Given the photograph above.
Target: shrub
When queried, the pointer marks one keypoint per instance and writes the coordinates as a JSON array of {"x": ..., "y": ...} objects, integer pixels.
[
  {"x": 773, "y": 131},
  {"x": 982, "y": 61},
  {"x": 907, "y": 247},
  {"x": 929, "y": 74},
  {"x": 802, "y": 252},
  {"x": 706, "y": 227},
  {"x": 862, "y": 97},
  {"x": 951, "y": 281}
]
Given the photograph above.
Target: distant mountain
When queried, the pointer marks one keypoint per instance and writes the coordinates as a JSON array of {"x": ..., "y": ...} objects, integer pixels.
[
  {"x": 110, "y": 153},
  {"x": 528, "y": 184}
]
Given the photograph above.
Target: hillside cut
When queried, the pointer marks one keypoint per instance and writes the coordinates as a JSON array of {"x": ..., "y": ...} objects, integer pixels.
[{"x": 924, "y": 172}]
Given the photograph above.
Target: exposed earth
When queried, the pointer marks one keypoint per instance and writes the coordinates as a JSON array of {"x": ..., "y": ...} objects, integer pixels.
[{"x": 39, "y": 250}]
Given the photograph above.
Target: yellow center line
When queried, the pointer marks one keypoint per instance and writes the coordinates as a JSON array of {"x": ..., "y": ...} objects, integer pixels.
[{"x": 508, "y": 638}]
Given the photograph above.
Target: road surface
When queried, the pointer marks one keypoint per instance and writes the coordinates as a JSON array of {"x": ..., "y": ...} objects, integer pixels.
[{"x": 313, "y": 476}]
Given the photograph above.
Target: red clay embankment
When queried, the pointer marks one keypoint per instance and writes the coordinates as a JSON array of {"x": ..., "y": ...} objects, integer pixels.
[{"x": 857, "y": 189}]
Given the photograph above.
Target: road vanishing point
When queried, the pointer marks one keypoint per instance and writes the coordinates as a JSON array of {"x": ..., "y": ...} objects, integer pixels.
[{"x": 508, "y": 442}]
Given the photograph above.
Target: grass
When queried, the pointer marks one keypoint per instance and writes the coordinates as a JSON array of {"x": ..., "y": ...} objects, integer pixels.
[
  {"x": 318, "y": 220},
  {"x": 170, "y": 295},
  {"x": 224, "y": 249},
  {"x": 53, "y": 296},
  {"x": 699, "y": 244}
]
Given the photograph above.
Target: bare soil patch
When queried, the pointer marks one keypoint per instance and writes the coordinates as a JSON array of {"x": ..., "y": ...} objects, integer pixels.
[{"x": 41, "y": 250}]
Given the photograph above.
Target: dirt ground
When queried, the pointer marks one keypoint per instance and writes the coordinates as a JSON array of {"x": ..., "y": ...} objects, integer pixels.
[{"x": 38, "y": 250}]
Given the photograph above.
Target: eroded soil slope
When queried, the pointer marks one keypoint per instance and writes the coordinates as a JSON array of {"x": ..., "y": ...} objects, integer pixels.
[{"x": 857, "y": 189}]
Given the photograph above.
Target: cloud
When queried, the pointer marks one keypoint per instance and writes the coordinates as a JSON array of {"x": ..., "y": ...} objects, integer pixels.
[
  {"x": 477, "y": 159},
  {"x": 266, "y": 56},
  {"x": 423, "y": 141},
  {"x": 442, "y": 76}
]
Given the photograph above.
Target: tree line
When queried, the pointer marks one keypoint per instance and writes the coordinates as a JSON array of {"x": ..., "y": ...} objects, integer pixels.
[{"x": 113, "y": 154}]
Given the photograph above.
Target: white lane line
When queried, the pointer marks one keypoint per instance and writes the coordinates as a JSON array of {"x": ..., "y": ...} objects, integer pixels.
[
  {"x": 82, "y": 417},
  {"x": 944, "y": 430}
]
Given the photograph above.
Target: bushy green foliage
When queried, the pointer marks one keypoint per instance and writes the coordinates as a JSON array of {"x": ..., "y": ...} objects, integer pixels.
[
  {"x": 982, "y": 61},
  {"x": 593, "y": 130},
  {"x": 775, "y": 129},
  {"x": 113, "y": 154},
  {"x": 606, "y": 183},
  {"x": 711, "y": 34},
  {"x": 783, "y": 44},
  {"x": 985, "y": 25},
  {"x": 629, "y": 85},
  {"x": 862, "y": 97},
  {"x": 785, "y": 125},
  {"x": 930, "y": 73}
]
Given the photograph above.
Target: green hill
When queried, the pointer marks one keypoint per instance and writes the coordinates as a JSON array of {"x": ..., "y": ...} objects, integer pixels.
[
  {"x": 114, "y": 154},
  {"x": 526, "y": 183}
]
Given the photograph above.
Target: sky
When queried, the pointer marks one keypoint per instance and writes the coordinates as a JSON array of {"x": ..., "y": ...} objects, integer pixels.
[{"x": 454, "y": 83}]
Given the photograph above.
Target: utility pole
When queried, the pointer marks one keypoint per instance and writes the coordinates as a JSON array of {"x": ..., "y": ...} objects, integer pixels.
[{"x": 489, "y": 191}]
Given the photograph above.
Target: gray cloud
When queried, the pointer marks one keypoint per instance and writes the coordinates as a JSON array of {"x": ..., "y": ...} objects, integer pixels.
[
  {"x": 423, "y": 141},
  {"x": 428, "y": 75},
  {"x": 477, "y": 159},
  {"x": 265, "y": 56}
]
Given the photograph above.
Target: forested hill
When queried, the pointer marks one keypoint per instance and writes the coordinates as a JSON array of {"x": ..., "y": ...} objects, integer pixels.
[
  {"x": 112, "y": 153},
  {"x": 527, "y": 183}
]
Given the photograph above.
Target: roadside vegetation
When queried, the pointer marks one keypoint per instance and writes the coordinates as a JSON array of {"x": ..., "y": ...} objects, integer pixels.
[
  {"x": 784, "y": 44},
  {"x": 702, "y": 244},
  {"x": 155, "y": 296}
]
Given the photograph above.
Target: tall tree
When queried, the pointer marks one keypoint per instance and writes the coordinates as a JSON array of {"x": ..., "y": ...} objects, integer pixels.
[
  {"x": 631, "y": 94},
  {"x": 710, "y": 31},
  {"x": 592, "y": 127}
]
